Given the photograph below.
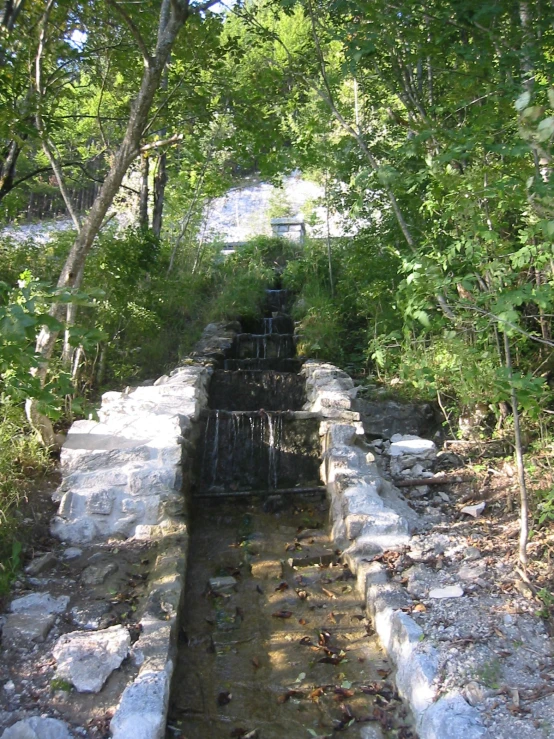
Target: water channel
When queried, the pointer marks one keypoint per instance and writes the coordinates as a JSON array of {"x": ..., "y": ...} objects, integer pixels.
[{"x": 274, "y": 639}]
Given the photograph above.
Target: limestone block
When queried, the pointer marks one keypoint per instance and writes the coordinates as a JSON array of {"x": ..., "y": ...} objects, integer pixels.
[
  {"x": 111, "y": 396},
  {"x": 382, "y": 600},
  {"x": 109, "y": 477},
  {"x": 39, "y": 564},
  {"x": 332, "y": 399},
  {"x": 141, "y": 713},
  {"x": 412, "y": 445},
  {"x": 340, "y": 460},
  {"x": 149, "y": 480},
  {"x": 339, "y": 413},
  {"x": 420, "y": 580},
  {"x": 39, "y": 603},
  {"x": 417, "y": 663},
  {"x": 88, "y": 659},
  {"x": 449, "y": 718},
  {"x": 76, "y": 531},
  {"x": 340, "y": 434},
  {"x": 38, "y": 727},
  {"x": 332, "y": 383},
  {"x": 101, "y": 502},
  {"x": 22, "y": 628},
  {"x": 96, "y": 574},
  {"x": 89, "y": 617},
  {"x": 85, "y": 459}
]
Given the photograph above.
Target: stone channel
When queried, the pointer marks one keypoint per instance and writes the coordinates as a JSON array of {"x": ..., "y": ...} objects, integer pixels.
[
  {"x": 274, "y": 639},
  {"x": 243, "y": 473}
]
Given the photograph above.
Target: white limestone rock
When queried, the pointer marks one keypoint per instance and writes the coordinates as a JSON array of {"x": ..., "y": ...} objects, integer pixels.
[
  {"x": 142, "y": 710},
  {"x": 412, "y": 445},
  {"x": 21, "y": 628},
  {"x": 39, "y": 603},
  {"x": 88, "y": 659},
  {"x": 38, "y": 727},
  {"x": 449, "y": 591},
  {"x": 96, "y": 574},
  {"x": 39, "y": 564}
]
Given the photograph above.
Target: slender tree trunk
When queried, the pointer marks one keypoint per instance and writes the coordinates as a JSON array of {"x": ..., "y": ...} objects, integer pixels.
[
  {"x": 173, "y": 15},
  {"x": 125, "y": 155},
  {"x": 329, "y": 255},
  {"x": 7, "y": 168},
  {"x": 143, "y": 199},
  {"x": 160, "y": 181},
  {"x": 523, "y": 498}
]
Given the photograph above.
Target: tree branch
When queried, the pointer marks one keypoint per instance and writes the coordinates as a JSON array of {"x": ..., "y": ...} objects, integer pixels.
[
  {"x": 135, "y": 32},
  {"x": 163, "y": 142}
]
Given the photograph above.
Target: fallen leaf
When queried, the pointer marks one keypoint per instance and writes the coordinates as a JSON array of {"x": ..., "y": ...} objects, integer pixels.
[
  {"x": 281, "y": 587},
  {"x": 332, "y": 618},
  {"x": 290, "y": 694},
  {"x": 315, "y": 695},
  {"x": 302, "y": 594},
  {"x": 256, "y": 662},
  {"x": 332, "y": 659},
  {"x": 224, "y": 697},
  {"x": 282, "y": 614},
  {"x": 306, "y": 642},
  {"x": 302, "y": 621},
  {"x": 420, "y": 608},
  {"x": 342, "y": 694}
]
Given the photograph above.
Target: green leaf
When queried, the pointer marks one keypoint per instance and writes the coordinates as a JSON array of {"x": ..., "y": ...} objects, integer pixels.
[
  {"x": 545, "y": 129},
  {"x": 523, "y": 101}
]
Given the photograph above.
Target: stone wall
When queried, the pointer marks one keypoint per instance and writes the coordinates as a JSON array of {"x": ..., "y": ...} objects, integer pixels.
[
  {"x": 125, "y": 476},
  {"x": 369, "y": 515}
]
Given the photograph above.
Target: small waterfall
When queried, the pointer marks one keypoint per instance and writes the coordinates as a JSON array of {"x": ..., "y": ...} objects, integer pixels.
[
  {"x": 275, "y": 427},
  {"x": 215, "y": 449},
  {"x": 254, "y": 440}
]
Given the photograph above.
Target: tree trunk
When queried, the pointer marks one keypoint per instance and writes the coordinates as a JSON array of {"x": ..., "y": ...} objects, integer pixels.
[
  {"x": 172, "y": 17},
  {"x": 125, "y": 155},
  {"x": 7, "y": 168},
  {"x": 524, "y": 503},
  {"x": 143, "y": 200},
  {"x": 160, "y": 181}
]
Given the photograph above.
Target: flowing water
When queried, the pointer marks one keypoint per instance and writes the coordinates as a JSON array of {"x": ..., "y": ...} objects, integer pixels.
[{"x": 274, "y": 640}]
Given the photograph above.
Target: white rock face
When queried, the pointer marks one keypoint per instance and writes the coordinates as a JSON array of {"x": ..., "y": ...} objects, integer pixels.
[
  {"x": 38, "y": 728},
  {"x": 39, "y": 603},
  {"x": 141, "y": 712},
  {"x": 88, "y": 659},
  {"x": 449, "y": 591},
  {"x": 124, "y": 471},
  {"x": 414, "y": 445}
]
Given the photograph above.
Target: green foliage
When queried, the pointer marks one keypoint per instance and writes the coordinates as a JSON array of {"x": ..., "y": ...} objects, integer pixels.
[
  {"x": 544, "y": 508},
  {"x": 21, "y": 460},
  {"x": 547, "y": 599},
  {"x": 242, "y": 278}
]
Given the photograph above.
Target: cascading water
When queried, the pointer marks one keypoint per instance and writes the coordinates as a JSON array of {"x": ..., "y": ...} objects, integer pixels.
[
  {"x": 257, "y": 437},
  {"x": 263, "y": 579}
]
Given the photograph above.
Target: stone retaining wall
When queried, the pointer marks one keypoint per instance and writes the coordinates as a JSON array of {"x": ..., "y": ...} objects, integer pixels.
[
  {"x": 126, "y": 475},
  {"x": 368, "y": 515}
]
